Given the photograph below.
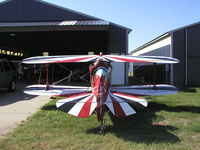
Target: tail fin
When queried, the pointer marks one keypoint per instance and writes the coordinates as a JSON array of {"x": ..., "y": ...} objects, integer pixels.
[{"x": 122, "y": 105}]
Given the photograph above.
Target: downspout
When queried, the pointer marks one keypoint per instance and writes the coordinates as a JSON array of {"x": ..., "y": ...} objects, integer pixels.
[
  {"x": 171, "y": 55},
  {"x": 126, "y": 64}
]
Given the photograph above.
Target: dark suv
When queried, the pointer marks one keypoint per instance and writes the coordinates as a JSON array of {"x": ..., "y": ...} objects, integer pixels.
[{"x": 8, "y": 75}]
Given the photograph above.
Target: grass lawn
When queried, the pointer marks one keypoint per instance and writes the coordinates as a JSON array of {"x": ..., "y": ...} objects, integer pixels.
[{"x": 169, "y": 122}]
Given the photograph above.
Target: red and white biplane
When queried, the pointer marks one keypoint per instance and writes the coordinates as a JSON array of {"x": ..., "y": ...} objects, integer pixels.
[{"x": 101, "y": 96}]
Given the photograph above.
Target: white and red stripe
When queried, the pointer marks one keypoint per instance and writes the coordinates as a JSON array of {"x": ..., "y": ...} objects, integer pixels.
[
  {"x": 60, "y": 59},
  {"x": 55, "y": 90},
  {"x": 120, "y": 104},
  {"x": 140, "y": 59},
  {"x": 93, "y": 58},
  {"x": 71, "y": 98},
  {"x": 146, "y": 90},
  {"x": 119, "y": 107},
  {"x": 81, "y": 105},
  {"x": 132, "y": 98}
]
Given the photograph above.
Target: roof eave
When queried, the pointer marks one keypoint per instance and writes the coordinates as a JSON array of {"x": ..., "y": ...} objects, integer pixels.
[
  {"x": 125, "y": 28},
  {"x": 187, "y": 26},
  {"x": 54, "y": 28},
  {"x": 151, "y": 42}
]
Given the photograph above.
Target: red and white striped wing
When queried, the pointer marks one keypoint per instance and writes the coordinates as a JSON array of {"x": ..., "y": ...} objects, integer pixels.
[
  {"x": 146, "y": 90},
  {"x": 93, "y": 58},
  {"x": 122, "y": 105},
  {"x": 140, "y": 59},
  {"x": 55, "y": 90},
  {"x": 60, "y": 59},
  {"x": 80, "y": 105}
]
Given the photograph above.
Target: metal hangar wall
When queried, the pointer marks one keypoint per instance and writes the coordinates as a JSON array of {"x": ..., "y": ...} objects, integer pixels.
[{"x": 182, "y": 43}]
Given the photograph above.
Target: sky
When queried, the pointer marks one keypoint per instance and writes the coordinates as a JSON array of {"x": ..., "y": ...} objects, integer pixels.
[{"x": 148, "y": 19}]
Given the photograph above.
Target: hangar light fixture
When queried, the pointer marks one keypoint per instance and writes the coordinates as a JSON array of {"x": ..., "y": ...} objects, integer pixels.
[
  {"x": 90, "y": 53},
  {"x": 45, "y": 53},
  {"x": 12, "y": 34}
]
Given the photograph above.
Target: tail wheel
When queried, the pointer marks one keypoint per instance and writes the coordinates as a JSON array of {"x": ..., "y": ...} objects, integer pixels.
[{"x": 12, "y": 86}]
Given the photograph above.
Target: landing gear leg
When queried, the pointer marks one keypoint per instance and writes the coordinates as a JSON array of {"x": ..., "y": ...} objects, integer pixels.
[{"x": 102, "y": 126}]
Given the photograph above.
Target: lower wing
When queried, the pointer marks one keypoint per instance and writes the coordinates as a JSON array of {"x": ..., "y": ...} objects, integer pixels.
[
  {"x": 81, "y": 101},
  {"x": 146, "y": 90},
  {"x": 55, "y": 90}
]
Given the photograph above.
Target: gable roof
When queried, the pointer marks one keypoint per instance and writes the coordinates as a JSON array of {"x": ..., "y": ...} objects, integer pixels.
[
  {"x": 184, "y": 27},
  {"x": 163, "y": 36},
  {"x": 37, "y": 10}
]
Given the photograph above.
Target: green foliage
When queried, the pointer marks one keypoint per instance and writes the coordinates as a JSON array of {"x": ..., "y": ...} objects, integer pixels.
[{"x": 169, "y": 122}]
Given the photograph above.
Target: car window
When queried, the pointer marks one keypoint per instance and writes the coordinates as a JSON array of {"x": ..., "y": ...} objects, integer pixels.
[
  {"x": 6, "y": 66},
  {"x": 1, "y": 67}
]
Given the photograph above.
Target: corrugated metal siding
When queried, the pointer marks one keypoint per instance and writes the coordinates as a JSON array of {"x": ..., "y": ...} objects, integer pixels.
[
  {"x": 58, "y": 23},
  {"x": 193, "y": 36},
  {"x": 193, "y": 48},
  {"x": 118, "y": 40},
  {"x": 31, "y": 10},
  {"x": 118, "y": 44},
  {"x": 179, "y": 52},
  {"x": 193, "y": 71}
]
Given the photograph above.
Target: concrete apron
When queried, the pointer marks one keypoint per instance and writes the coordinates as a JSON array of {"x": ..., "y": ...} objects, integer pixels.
[{"x": 16, "y": 107}]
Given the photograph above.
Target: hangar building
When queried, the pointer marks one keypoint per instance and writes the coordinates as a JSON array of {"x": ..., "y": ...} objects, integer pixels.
[
  {"x": 182, "y": 43},
  {"x": 34, "y": 27}
]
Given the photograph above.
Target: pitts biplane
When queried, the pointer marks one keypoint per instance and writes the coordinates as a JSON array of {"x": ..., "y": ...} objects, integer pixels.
[{"x": 83, "y": 101}]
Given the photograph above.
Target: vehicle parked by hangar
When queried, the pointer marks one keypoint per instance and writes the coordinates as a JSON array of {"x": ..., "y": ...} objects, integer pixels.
[{"x": 8, "y": 75}]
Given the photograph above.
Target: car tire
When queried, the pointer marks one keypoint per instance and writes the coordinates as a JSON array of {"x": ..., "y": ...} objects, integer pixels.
[{"x": 12, "y": 86}]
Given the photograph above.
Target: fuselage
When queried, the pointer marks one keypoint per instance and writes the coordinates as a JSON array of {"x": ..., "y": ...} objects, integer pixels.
[{"x": 100, "y": 83}]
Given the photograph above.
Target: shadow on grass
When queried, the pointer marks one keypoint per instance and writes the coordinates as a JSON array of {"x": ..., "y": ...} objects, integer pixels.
[
  {"x": 145, "y": 127},
  {"x": 49, "y": 107},
  {"x": 188, "y": 89}
]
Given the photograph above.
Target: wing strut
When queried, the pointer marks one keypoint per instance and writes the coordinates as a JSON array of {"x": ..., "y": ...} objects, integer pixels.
[
  {"x": 40, "y": 75},
  {"x": 47, "y": 76},
  {"x": 154, "y": 75}
]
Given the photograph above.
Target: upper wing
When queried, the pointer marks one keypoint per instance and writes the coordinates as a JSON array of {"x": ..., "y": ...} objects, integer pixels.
[
  {"x": 146, "y": 90},
  {"x": 140, "y": 59},
  {"x": 55, "y": 90},
  {"x": 93, "y": 58},
  {"x": 60, "y": 59}
]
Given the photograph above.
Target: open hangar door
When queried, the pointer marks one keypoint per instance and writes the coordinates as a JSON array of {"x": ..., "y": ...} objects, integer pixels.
[
  {"x": 38, "y": 43},
  {"x": 150, "y": 74},
  {"x": 56, "y": 43}
]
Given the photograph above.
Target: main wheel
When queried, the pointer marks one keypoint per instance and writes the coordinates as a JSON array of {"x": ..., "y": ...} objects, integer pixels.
[{"x": 12, "y": 86}]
